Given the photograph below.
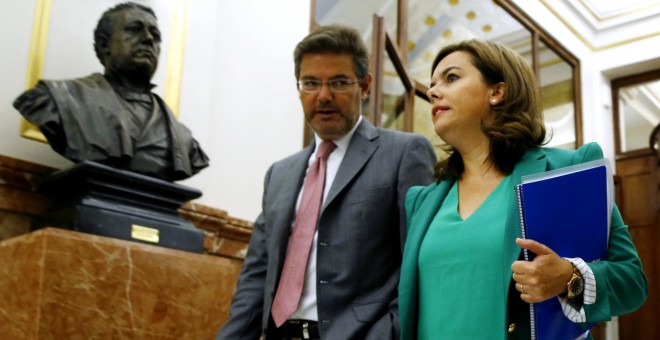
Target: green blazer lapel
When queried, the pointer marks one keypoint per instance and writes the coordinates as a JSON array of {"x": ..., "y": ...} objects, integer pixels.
[
  {"x": 533, "y": 161},
  {"x": 420, "y": 215},
  {"x": 425, "y": 208}
]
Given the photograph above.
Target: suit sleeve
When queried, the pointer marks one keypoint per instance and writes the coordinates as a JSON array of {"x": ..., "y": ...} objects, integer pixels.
[
  {"x": 247, "y": 304},
  {"x": 621, "y": 286},
  {"x": 415, "y": 168}
]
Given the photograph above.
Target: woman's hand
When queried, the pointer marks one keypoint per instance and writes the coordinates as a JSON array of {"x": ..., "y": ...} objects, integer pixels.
[{"x": 544, "y": 277}]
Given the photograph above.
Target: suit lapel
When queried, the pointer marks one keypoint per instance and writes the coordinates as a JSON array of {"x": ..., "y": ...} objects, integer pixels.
[
  {"x": 291, "y": 184},
  {"x": 360, "y": 149}
]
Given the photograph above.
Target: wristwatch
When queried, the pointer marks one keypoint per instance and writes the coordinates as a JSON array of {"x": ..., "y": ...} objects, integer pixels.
[{"x": 575, "y": 285}]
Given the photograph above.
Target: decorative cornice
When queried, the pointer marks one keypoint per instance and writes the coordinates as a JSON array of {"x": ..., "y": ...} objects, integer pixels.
[{"x": 586, "y": 42}]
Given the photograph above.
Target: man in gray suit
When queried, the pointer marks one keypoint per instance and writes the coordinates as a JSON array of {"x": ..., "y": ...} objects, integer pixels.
[{"x": 351, "y": 278}]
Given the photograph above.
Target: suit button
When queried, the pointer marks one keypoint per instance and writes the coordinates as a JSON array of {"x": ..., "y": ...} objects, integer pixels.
[{"x": 512, "y": 327}]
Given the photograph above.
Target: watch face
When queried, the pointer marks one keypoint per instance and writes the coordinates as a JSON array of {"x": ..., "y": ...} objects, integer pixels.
[{"x": 575, "y": 286}]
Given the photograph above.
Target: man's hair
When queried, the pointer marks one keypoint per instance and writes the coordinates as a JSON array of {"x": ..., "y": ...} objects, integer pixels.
[
  {"x": 103, "y": 30},
  {"x": 335, "y": 39},
  {"x": 518, "y": 119}
]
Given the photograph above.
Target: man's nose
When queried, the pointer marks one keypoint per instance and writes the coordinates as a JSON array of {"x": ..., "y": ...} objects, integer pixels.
[{"x": 324, "y": 94}]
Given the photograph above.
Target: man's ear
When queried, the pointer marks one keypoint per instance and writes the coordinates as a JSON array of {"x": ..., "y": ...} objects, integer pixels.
[{"x": 364, "y": 86}]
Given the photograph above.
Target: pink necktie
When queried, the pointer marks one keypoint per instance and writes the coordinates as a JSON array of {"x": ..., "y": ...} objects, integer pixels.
[{"x": 291, "y": 283}]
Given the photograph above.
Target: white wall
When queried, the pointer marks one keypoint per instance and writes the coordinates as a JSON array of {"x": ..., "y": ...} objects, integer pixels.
[
  {"x": 238, "y": 91},
  {"x": 239, "y": 95},
  {"x": 17, "y": 17}
]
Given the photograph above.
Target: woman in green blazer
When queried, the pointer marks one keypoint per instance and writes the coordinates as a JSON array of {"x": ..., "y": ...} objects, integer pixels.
[{"x": 463, "y": 275}]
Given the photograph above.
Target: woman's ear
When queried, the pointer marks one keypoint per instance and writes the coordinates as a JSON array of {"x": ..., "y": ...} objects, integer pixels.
[{"x": 497, "y": 96}]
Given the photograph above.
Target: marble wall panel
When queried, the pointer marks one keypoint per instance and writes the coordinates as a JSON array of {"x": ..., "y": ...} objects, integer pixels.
[
  {"x": 79, "y": 286},
  {"x": 21, "y": 270}
]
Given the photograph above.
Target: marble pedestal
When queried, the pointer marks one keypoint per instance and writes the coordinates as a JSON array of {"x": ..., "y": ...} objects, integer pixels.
[{"x": 61, "y": 284}]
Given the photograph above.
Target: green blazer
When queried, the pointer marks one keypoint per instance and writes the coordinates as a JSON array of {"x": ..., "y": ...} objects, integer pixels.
[{"x": 621, "y": 285}]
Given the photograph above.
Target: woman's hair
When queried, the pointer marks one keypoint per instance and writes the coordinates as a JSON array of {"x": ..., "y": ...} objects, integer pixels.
[{"x": 518, "y": 118}]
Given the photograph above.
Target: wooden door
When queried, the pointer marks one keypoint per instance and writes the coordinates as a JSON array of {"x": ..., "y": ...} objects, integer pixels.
[{"x": 637, "y": 196}]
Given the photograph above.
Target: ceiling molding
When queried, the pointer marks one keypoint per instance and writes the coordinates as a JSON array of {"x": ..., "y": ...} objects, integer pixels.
[
  {"x": 602, "y": 28},
  {"x": 603, "y": 11}
]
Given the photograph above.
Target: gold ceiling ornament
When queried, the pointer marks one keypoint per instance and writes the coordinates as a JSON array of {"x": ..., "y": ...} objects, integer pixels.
[
  {"x": 487, "y": 28},
  {"x": 411, "y": 45},
  {"x": 454, "y": 2},
  {"x": 448, "y": 34},
  {"x": 429, "y": 21},
  {"x": 471, "y": 15}
]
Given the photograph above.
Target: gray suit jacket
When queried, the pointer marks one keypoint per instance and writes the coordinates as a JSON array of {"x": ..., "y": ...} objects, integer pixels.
[{"x": 361, "y": 233}]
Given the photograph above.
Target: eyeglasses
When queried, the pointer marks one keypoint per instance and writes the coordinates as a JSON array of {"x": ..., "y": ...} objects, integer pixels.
[{"x": 335, "y": 85}]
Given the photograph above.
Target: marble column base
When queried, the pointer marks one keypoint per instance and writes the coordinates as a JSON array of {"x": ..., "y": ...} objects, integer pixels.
[{"x": 61, "y": 284}]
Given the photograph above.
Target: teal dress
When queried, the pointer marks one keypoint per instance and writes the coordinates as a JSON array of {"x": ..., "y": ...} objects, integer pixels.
[{"x": 460, "y": 270}]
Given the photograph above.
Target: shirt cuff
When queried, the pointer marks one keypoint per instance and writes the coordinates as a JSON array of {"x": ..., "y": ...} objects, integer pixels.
[{"x": 572, "y": 312}]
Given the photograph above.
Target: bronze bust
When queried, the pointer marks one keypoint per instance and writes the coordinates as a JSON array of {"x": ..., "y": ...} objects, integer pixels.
[{"x": 114, "y": 118}]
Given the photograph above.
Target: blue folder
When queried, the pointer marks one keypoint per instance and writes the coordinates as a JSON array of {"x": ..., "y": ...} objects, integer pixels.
[{"x": 568, "y": 210}]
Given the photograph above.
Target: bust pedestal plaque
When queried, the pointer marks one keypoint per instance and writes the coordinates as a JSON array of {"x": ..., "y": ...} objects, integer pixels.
[{"x": 101, "y": 200}]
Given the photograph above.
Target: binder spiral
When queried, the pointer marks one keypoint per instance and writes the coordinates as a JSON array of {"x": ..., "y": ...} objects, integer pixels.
[{"x": 523, "y": 232}]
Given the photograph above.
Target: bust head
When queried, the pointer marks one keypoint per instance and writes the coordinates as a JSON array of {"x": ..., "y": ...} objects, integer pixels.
[{"x": 127, "y": 42}]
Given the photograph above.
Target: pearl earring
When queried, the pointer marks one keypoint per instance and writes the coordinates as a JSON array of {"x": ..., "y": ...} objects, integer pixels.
[{"x": 493, "y": 100}]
